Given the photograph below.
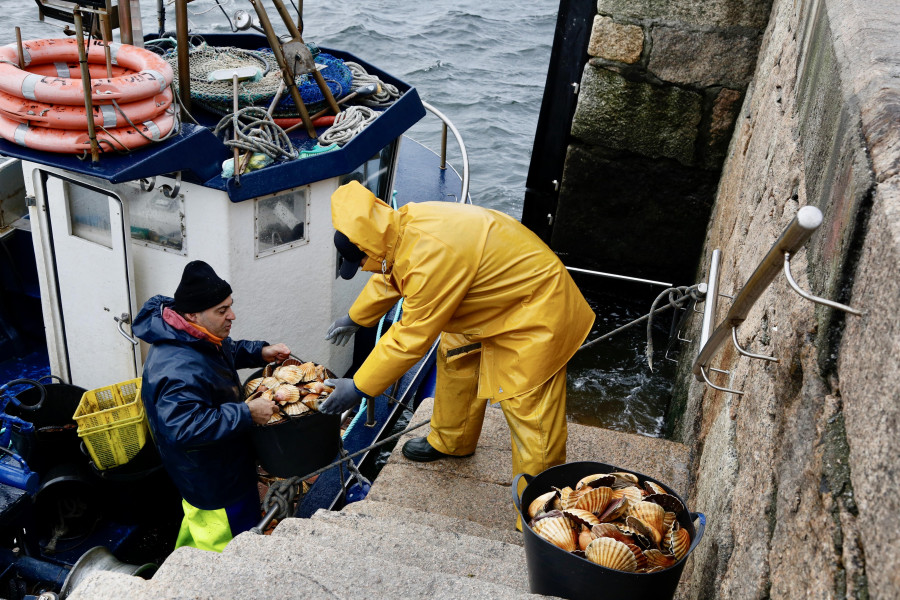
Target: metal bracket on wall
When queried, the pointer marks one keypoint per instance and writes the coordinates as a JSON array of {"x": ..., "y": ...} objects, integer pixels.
[{"x": 795, "y": 235}]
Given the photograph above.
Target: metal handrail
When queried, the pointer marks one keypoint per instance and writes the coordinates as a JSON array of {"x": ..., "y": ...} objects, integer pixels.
[
  {"x": 807, "y": 220},
  {"x": 464, "y": 195}
]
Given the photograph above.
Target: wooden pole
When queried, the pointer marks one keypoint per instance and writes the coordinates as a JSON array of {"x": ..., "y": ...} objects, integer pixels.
[
  {"x": 86, "y": 85},
  {"x": 287, "y": 72},
  {"x": 126, "y": 33},
  {"x": 104, "y": 27},
  {"x": 184, "y": 65},
  {"x": 20, "y": 48}
]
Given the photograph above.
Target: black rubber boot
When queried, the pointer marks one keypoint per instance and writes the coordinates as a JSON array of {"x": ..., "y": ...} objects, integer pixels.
[{"x": 419, "y": 450}]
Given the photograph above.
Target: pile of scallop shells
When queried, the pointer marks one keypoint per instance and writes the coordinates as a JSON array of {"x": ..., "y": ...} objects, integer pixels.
[
  {"x": 297, "y": 387},
  {"x": 614, "y": 522}
]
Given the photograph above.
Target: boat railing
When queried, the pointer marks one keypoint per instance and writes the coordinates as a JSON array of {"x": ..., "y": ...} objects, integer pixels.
[
  {"x": 447, "y": 124},
  {"x": 795, "y": 235}
]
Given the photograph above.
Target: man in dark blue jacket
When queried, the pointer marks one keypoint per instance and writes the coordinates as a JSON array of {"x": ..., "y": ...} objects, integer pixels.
[{"x": 194, "y": 402}]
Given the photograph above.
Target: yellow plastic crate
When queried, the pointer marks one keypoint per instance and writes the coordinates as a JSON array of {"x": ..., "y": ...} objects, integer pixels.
[
  {"x": 116, "y": 444},
  {"x": 110, "y": 404},
  {"x": 112, "y": 423}
]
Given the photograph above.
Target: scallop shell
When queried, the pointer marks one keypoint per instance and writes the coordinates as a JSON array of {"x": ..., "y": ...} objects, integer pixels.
[
  {"x": 313, "y": 401},
  {"x": 614, "y": 510},
  {"x": 667, "y": 501},
  {"x": 287, "y": 394},
  {"x": 268, "y": 395},
  {"x": 677, "y": 542},
  {"x": 611, "y": 531},
  {"x": 542, "y": 504},
  {"x": 288, "y": 374},
  {"x": 638, "y": 556},
  {"x": 314, "y": 387},
  {"x": 650, "y": 513},
  {"x": 567, "y": 498},
  {"x": 632, "y": 493},
  {"x": 611, "y": 554},
  {"x": 251, "y": 386},
  {"x": 275, "y": 418},
  {"x": 654, "y": 488},
  {"x": 595, "y": 480},
  {"x": 624, "y": 480},
  {"x": 643, "y": 530},
  {"x": 291, "y": 361},
  {"x": 594, "y": 499},
  {"x": 584, "y": 538},
  {"x": 558, "y": 531},
  {"x": 270, "y": 383},
  {"x": 308, "y": 371},
  {"x": 295, "y": 408},
  {"x": 581, "y": 516},
  {"x": 322, "y": 373},
  {"x": 268, "y": 370},
  {"x": 655, "y": 558},
  {"x": 669, "y": 519}
]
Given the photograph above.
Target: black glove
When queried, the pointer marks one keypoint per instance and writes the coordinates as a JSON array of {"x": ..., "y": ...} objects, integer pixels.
[
  {"x": 341, "y": 331},
  {"x": 344, "y": 397}
]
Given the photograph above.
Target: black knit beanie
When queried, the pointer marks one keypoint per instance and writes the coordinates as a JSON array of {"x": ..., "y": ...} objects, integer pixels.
[{"x": 200, "y": 288}]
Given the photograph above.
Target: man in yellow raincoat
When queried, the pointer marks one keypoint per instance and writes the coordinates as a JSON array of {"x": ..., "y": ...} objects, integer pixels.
[{"x": 508, "y": 314}]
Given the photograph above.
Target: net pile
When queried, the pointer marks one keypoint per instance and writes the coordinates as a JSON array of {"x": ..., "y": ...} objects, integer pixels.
[{"x": 217, "y": 96}]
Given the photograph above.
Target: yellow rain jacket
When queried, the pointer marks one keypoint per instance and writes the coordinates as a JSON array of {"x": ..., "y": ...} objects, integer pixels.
[{"x": 464, "y": 270}]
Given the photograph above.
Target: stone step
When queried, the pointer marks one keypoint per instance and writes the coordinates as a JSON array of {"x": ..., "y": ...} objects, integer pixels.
[
  {"x": 254, "y": 566},
  {"x": 374, "y": 508},
  {"x": 477, "y": 488},
  {"x": 416, "y": 545}
]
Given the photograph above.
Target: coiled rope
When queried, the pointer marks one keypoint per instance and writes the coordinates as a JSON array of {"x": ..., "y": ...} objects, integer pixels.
[
  {"x": 347, "y": 124},
  {"x": 255, "y": 132},
  {"x": 386, "y": 93}
]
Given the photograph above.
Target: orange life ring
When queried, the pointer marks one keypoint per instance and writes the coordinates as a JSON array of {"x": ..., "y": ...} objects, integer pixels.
[
  {"x": 63, "y": 116},
  {"x": 151, "y": 73},
  {"x": 68, "y": 141},
  {"x": 71, "y": 70}
]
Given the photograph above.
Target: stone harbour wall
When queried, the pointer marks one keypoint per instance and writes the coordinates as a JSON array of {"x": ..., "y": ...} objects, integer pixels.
[
  {"x": 799, "y": 476},
  {"x": 657, "y": 105}
]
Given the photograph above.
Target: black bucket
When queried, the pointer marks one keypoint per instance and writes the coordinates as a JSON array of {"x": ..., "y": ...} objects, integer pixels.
[
  {"x": 55, "y": 439},
  {"x": 298, "y": 445},
  {"x": 554, "y": 572}
]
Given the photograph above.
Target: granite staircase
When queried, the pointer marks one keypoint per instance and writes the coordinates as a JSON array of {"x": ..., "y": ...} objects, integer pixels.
[{"x": 441, "y": 530}]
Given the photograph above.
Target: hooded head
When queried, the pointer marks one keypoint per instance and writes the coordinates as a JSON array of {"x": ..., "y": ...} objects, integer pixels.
[
  {"x": 351, "y": 256},
  {"x": 200, "y": 288},
  {"x": 368, "y": 225}
]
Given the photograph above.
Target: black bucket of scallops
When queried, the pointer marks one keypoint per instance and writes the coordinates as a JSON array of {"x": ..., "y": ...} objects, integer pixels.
[
  {"x": 589, "y": 526},
  {"x": 298, "y": 439}
]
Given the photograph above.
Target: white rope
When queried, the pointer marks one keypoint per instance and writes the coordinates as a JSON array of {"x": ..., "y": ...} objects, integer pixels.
[
  {"x": 347, "y": 124},
  {"x": 386, "y": 95}
]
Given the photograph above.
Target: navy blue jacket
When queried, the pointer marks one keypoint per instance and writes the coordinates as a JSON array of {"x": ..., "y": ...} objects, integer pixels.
[{"x": 192, "y": 395}]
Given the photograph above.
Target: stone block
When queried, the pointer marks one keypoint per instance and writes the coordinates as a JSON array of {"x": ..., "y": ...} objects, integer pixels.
[
  {"x": 710, "y": 13},
  {"x": 633, "y": 216},
  {"x": 702, "y": 58},
  {"x": 620, "y": 114},
  {"x": 615, "y": 41},
  {"x": 725, "y": 109}
]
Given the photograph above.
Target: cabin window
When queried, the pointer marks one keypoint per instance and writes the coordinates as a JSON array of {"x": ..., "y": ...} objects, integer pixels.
[
  {"x": 89, "y": 214},
  {"x": 281, "y": 221},
  {"x": 157, "y": 221},
  {"x": 376, "y": 173}
]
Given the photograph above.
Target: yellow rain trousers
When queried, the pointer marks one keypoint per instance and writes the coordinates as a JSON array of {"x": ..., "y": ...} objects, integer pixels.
[
  {"x": 508, "y": 313},
  {"x": 213, "y": 529}
]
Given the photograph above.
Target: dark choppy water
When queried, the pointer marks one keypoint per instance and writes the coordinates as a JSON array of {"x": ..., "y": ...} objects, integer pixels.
[{"x": 483, "y": 64}]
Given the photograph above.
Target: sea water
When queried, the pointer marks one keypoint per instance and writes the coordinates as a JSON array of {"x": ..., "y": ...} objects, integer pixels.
[{"x": 483, "y": 64}]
